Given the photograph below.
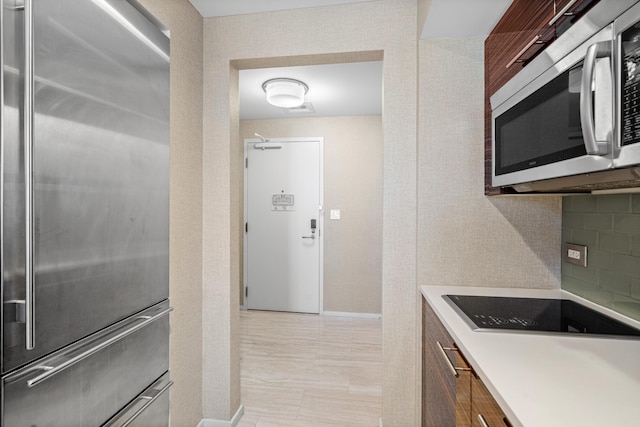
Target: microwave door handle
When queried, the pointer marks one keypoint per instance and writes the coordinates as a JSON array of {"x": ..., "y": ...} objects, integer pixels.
[{"x": 595, "y": 51}]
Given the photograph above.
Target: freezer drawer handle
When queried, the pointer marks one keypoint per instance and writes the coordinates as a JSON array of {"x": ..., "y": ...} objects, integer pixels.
[
  {"x": 51, "y": 371},
  {"x": 148, "y": 398},
  {"x": 28, "y": 177}
]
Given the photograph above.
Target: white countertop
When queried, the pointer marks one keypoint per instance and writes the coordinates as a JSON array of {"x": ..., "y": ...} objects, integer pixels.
[{"x": 545, "y": 379}]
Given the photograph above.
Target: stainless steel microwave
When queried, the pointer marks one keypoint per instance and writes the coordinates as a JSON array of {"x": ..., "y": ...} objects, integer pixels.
[{"x": 570, "y": 120}]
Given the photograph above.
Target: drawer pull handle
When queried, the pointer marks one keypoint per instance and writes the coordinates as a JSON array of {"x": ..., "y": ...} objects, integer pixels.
[
  {"x": 482, "y": 421},
  {"x": 454, "y": 369}
]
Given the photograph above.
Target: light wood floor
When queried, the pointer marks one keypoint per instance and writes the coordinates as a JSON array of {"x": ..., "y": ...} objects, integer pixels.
[{"x": 309, "y": 370}]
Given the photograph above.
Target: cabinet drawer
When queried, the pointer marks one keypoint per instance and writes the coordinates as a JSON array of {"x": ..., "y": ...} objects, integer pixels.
[
  {"x": 149, "y": 409},
  {"x": 86, "y": 383},
  {"x": 485, "y": 411},
  {"x": 446, "y": 377}
]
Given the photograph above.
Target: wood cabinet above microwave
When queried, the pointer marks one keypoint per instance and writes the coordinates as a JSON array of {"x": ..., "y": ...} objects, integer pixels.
[{"x": 524, "y": 31}]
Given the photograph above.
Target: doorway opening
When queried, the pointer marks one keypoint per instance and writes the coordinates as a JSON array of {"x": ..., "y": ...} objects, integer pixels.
[
  {"x": 352, "y": 209},
  {"x": 351, "y": 287}
]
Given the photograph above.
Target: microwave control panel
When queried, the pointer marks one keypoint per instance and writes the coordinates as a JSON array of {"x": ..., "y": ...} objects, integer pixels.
[{"x": 631, "y": 86}]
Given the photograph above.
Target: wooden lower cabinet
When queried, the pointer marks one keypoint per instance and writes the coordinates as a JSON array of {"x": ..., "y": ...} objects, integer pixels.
[
  {"x": 438, "y": 385},
  {"x": 464, "y": 393},
  {"x": 485, "y": 411},
  {"x": 452, "y": 394}
]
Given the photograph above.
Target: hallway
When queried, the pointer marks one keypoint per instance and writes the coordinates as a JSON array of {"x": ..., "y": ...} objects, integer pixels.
[{"x": 309, "y": 370}]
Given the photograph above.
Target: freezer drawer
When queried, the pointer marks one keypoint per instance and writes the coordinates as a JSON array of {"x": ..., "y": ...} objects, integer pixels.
[
  {"x": 87, "y": 383},
  {"x": 150, "y": 409},
  {"x": 85, "y": 210}
]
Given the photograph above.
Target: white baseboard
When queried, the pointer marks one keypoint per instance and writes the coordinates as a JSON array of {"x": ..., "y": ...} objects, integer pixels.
[
  {"x": 219, "y": 423},
  {"x": 346, "y": 314}
]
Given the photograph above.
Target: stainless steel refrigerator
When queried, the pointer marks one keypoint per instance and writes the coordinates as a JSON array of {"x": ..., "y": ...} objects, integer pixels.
[{"x": 85, "y": 214}]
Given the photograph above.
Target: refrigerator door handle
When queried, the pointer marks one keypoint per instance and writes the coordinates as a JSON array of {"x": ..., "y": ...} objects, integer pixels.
[
  {"x": 53, "y": 370},
  {"x": 28, "y": 176},
  {"x": 146, "y": 399}
]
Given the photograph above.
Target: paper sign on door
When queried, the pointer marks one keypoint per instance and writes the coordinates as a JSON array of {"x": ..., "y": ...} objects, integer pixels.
[{"x": 282, "y": 202}]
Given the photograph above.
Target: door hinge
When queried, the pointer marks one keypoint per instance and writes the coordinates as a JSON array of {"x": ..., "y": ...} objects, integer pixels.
[
  {"x": 246, "y": 162},
  {"x": 246, "y": 227},
  {"x": 246, "y": 292}
]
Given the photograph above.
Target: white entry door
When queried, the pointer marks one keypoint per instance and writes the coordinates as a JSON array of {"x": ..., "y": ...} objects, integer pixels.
[{"x": 283, "y": 224}]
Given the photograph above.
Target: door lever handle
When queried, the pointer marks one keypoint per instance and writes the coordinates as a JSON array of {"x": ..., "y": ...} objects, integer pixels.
[{"x": 313, "y": 236}]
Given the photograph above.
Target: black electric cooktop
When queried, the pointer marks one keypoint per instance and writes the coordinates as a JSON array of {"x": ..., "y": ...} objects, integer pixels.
[{"x": 535, "y": 314}]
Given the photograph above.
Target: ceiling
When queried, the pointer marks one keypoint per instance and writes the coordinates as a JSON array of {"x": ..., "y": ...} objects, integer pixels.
[
  {"x": 463, "y": 18},
  {"x": 334, "y": 90},
  {"x": 345, "y": 89},
  {"x": 208, "y": 8}
]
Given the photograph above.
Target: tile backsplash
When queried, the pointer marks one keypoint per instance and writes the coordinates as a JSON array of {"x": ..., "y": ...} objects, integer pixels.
[{"x": 609, "y": 225}]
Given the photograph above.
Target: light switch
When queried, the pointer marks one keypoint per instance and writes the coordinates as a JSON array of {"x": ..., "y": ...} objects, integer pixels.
[{"x": 335, "y": 213}]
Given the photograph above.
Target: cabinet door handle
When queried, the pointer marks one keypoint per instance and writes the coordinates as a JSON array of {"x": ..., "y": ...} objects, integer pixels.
[
  {"x": 516, "y": 58},
  {"x": 454, "y": 369},
  {"x": 482, "y": 421},
  {"x": 562, "y": 12}
]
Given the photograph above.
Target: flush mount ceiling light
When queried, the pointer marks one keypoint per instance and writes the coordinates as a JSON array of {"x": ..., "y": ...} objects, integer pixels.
[{"x": 285, "y": 93}]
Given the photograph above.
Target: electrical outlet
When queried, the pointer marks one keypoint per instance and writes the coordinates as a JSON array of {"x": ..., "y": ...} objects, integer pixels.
[{"x": 575, "y": 254}]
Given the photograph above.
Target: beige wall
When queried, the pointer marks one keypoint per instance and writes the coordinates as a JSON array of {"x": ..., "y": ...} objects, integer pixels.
[
  {"x": 464, "y": 237},
  {"x": 382, "y": 25},
  {"x": 353, "y": 184},
  {"x": 185, "y": 25}
]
